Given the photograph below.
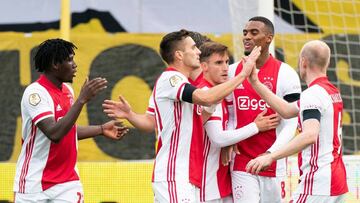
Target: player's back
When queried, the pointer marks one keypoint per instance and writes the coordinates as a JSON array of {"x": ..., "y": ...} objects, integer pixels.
[{"x": 322, "y": 168}]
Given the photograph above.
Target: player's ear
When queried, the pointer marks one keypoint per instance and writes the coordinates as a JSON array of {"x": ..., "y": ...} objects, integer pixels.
[
  {"x": 269, "y": 38},
  {"x": 55, "y": 66},
  {"x": 178, "y": 55},
  {"x": 204, "y": 66}
]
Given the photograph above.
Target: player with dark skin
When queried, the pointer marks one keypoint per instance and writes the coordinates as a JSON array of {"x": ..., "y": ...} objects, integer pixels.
[{"x": 62, "y": 72}]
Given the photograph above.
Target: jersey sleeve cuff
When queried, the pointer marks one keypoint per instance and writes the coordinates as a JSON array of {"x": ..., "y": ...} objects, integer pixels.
[
  {"x": 253, "y": 128},
  {"x": 150, "y": 111},
  {"x": 42, "y": 116}
]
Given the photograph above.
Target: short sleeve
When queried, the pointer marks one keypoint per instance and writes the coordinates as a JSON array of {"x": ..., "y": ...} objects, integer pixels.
[
  {"x": 151, "y": 107},
  {"x": 311, "y": 99},
  {"x": 171, "y": 86},
  {"x": 217, "y": 115},
  {"x": 37, "y": 103},
  {"x": 288, "y": 81}
]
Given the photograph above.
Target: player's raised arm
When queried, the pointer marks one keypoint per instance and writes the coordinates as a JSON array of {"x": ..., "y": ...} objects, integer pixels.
[
  {"x": 285, "y": 109},
  {"x": 55, "y": 130},
  {"x": 217, "y": 93}
]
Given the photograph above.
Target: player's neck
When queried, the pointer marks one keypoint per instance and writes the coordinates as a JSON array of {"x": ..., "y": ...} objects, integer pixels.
[
  {"x": 182, "y": 69},
  {"x": 195, "y": 73},
  {"x": 310, "y": 77},
  {"x": 53, "y": 80},
  {"x": 207, "y": 78},
  {"x": 262, "y": 59}
]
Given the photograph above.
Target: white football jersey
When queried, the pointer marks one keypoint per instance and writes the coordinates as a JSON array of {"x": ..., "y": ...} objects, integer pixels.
[
  {"x": 180, "y": 131},
  {"x": 42, "y": 163},
  {"x": 322, "y": 170}
]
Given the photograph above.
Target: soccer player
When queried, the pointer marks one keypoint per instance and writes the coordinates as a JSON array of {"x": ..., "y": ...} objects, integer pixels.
[
  {"x": 216, "y": 182},
  {"x": 280, "y": 78},
  {"x": 197, "y": 74},
  {"x": 146, "y": 122},
  {"x": 322, "y": 170},
  {"x": 46, "y": 169},
  {"x": 178, "y": 163}
]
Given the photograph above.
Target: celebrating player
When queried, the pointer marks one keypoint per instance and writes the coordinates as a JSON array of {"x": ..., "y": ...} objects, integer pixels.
[
  {"x": 46, "y": 168},
  {"x": 322, "y": 170},
  {"x": 216, "y": 183},
  {"x": 280, "y": 78}
]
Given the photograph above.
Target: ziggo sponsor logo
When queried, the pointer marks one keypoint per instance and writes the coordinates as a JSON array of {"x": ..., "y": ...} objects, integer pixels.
[{"x": 245, "y": 103}]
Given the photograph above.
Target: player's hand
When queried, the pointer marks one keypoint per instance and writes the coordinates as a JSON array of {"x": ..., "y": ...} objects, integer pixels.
[
  {"x": 265, "y": 123},
  {"x": 226, "y": 154},
  {"x": 114, "y": 130},
  {"x": 249, "y": 62},
  {"x": 259, "y": 163},
  {"x": 90, "y": 88},
  {"x": 254, "y": 78},
  {"x": 117, "y": 109}
]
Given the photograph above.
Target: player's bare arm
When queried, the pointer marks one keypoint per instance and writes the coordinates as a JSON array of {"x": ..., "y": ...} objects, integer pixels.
[
  {"x": 112, "y": 129},
  {"x": 285, "y": 109},
  {"x": 55, "y": 130},
  {"x": 311, "y": 129},
  {"x": 122, "y": 110},
  {"x": 216, "y": 94}
]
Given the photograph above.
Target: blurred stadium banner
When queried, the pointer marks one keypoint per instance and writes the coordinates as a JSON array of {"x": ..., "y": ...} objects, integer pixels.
[{"x": 119, "y": 40}]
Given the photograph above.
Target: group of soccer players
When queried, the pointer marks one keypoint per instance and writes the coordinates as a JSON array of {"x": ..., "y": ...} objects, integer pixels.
[{"x": 205, "y": 114}]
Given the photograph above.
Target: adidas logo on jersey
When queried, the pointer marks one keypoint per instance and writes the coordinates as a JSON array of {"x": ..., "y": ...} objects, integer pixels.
[
  {"x": 58, "y": 108},
  {"x": 241, "y": 86}
]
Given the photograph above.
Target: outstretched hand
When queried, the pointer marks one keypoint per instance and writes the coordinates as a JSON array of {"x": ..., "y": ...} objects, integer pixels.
[
  {"x": 117, "y": 109},
  {"x": 114, "y": 130},
  {"x": 90, "y": 88}
]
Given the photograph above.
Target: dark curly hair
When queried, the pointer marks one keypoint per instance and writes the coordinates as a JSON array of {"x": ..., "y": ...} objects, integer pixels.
[{"x": 52, "y": 51}]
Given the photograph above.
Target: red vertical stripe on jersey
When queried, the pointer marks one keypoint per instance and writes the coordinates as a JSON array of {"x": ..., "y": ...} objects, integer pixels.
[
  {"x": 159, "y": 145},
  {"x": 302, "y": 198},
  {"x": 309, "y": 177},
  {"x": 205, "y": 154},
  {"x": 157, "y": 115},
  {"x": 173, "y": 152},
  {"x": 196, "y": 148},
  {"x": 28, "y": 153},
  {"x": 179, "y": 91}
]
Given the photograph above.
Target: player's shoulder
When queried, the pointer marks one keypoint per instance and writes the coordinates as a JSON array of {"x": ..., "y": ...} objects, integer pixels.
[
  {"x": 287, "y": 68},
  {"x": 34, "y": 87},
  {"x": 232, "y": 69},
  {"x": 288, "y": 74},
  {"x": 34, "y": 93},
  {"x": 173, "y": 78},
  {"x": 313, "y": 93},
  {"x": 314, "y": 90}
]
